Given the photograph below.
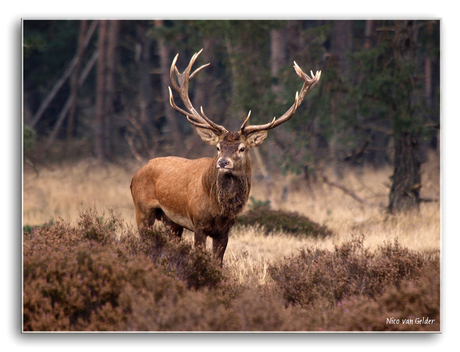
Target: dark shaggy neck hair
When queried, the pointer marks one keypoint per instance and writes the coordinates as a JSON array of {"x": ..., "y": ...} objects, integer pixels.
[
  {"x": 232, "y": 193},
  {"x": 229, "y": 192}
]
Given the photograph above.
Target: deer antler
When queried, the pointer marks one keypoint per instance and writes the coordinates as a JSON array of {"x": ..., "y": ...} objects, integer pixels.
[
  {"x": 180, "y": 85},
  {"x": 308, "y": 84}
]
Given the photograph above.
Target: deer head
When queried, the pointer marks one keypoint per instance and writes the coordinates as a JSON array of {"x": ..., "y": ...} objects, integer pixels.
[{"x": 232, "y": 147}]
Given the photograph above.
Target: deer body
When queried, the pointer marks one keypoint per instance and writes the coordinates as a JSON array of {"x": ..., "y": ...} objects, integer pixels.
[
  {"x": 204, "y": 195},
  {"x": 195, "y": 194}
]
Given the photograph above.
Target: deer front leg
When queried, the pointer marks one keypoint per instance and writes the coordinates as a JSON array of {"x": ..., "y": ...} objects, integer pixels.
[
  {"x": 219, "y": 245},
  {"x": 200, "y": 240}
]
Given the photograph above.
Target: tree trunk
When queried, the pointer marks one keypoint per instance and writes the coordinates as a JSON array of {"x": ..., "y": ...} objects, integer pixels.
[
  {"x": 264, "y": 157},
  {"x": 204, "y": 93},
  {"x": 89, "y": 65},
  {"x": 110, "y": 94},
  {"x": 369, "y": 34},
  {"x": 143, "y": 59},
  {"x": 277, "y": 58},
  {"x": 236, "y": 109},
  {"x": 342, "y": 41},
  {"x": 58, "y": 85},
  {"x": 405, "y": 190},
  {"x": 145, "y": 130},
  {"x": 101, "y": 92},
  {"x": 105, "y": 86},
  {"x": 171, "y": 117},
  {"x": 74, "y": 81}
]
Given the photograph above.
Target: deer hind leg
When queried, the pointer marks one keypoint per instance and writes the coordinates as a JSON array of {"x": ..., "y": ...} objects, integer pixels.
[
  {"x": 142, "y": 219},
  {"x": 159, "y": 215}
]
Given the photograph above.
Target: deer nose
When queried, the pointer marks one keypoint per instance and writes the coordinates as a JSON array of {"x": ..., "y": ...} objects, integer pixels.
[{"x": 223, "y": 163}]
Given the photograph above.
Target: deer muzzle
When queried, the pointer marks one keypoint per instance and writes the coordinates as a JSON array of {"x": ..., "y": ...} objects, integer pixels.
[{"x": 224, "y": 164}]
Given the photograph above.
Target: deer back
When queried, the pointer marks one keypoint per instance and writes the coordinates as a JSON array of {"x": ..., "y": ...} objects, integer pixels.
[{"x": 191, "y": 191}]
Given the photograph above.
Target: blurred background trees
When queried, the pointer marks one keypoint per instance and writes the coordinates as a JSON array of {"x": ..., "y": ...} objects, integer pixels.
[{"x": 99, "y": 88}]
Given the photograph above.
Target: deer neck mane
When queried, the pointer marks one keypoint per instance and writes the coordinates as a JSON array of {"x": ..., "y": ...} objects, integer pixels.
[{"x": 228, "y": 192}]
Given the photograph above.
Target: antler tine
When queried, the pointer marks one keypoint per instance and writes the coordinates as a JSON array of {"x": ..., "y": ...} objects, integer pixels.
[
  {"x": 202, "y": 125},
  {"x": 192, "y": 61},
  {"x": 183, "y": 112},
  {"x": 171, "y": 74},
  {"x": 190, "y": 65},
  {"x": 180, "y": 84},
  {"x": 198, "y": 70},
  {"x": 245, "y": 121},
  {"x": 214, "y": 125},
  {"x": 307, "y": 86},
  {"x": 174, "y": 106}
]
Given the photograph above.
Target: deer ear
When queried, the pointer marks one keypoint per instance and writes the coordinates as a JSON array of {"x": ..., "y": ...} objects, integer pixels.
[
  {"x": 208, "y": 136},
  {"x": 257, "y": 138}
]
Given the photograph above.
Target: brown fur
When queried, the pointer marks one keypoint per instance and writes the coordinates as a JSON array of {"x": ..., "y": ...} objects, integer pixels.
[
  {"x": 229, "y": 192},
  {"x": 204, "y": 195},
  {"x": 195, "y": 194}
]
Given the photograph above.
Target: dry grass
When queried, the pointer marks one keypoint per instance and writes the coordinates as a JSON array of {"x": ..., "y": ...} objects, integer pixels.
[
  {"x": 65, "y": 189},
  {"x": 61, "y": 190},
  {"x": 260, "y": 272}
]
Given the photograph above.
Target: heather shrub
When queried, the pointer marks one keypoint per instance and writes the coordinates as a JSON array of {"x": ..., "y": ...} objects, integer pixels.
[
  {"x": 28, "y": 229},
  {"x": 253, "y": 309},
  {"x": 82, "y": 278},
  {"x": 261, "y": 215},
  {"x": 98, "y": 275},
  {"x": 210, "y": 310},
  {"x": 82, "y": 287},
  {"x": 193, "y": 310},
  {"x": 412, "y": 306},
  {"x": 316, "y": 276},
  {"x": 179, "y": 258},
  {"x": 257, "y": 310},
  {"x": 94, "y": 286},
  {"x": 90, "y": 226}
]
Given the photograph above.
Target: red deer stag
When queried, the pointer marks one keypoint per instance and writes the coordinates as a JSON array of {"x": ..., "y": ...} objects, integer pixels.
[{"x": 207, "y": 194}]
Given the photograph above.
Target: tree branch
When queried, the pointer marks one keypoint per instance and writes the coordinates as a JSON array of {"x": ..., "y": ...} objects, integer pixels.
[
  {"x": 63, "y": 79},
  {"x": 342, "y": 188},
  {"x": 67, "y": 104}
]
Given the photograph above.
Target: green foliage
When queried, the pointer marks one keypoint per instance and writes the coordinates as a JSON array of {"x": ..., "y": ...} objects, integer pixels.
[
  {"x": 271, "y": 221},
  {"x": 28, "y": 138},
  {"x": 381, "y": 90},
  {"x": 390, "y": 85},
  {"x": 240, "y": 49},
  {"x": 29, "y": 229},
  {"x": 258, "y": 204},
  {"x": 48, "y": 47}
]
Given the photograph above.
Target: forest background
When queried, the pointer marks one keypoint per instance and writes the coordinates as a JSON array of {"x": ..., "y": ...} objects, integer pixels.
[
  {"x": 449, "y": 52},
  {"x": 99, "y": 88}
]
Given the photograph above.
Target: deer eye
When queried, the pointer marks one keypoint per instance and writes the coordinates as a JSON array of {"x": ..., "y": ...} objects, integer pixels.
[
  {"x": 242, "y": 149},
  {"x": 218, "y": 149}
]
